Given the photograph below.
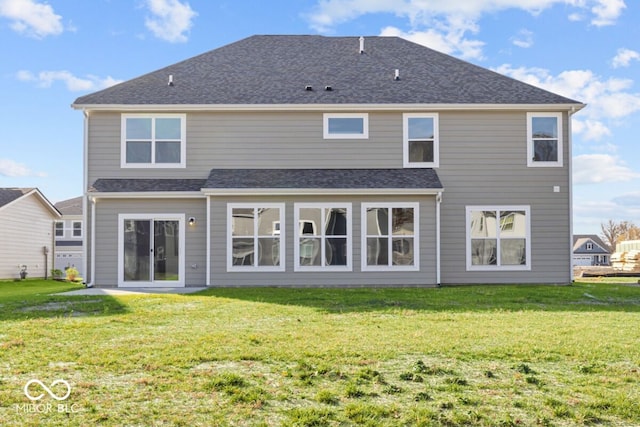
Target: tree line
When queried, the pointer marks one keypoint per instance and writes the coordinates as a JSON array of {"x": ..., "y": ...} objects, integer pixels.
[{"x": 615, "y": 232}]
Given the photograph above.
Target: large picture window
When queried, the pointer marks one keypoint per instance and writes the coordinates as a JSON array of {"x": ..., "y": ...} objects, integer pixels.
[
  {"x": 255, "y": 237},
  {"x": 153, "y": 140},
  {"x": 390, "y": 236},
  {"x": 544, "y": 139},
  {"x": 498, "y": 238},
  {"x": 420, "y": 140},
  {"x": 323, "y": 237},
  {"x": 346, "y": 126}
]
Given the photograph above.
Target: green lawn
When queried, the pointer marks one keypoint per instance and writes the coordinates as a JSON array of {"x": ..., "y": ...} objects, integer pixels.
[{"x": 482, "y": 355}]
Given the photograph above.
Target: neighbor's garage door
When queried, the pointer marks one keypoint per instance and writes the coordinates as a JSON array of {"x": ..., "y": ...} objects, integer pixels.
[
  {"x": 581, "y": 261},
  {"x": 69, "y": 259}
]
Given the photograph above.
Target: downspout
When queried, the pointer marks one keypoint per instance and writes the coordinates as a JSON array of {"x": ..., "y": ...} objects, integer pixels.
[
  {"x": 93, "y": 242},
  {"x": 570, "y": 113},
  {"x": 208, "y": 251},
  {"x": 85, "y": 204},
  {"x": 438, "y": 203}
]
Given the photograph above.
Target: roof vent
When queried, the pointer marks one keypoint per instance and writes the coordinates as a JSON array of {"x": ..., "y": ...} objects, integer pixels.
[
  {"x": 308, "y": 88},
  {"x": 361, "y": 45},
  {"x": 328, "y": 88},
  {"x": 397, "y": 75},
  {"x": 170, "y": 80}
]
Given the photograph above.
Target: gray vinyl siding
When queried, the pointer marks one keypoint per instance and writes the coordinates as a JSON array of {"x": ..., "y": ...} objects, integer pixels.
[
  {"x": 483, "y": 161},
  {"x": 252, "y": 140},
  {"x": 107, "y": 211},
  {"x": 426, "y": 276},
  {"x": 26, "y": 226}
]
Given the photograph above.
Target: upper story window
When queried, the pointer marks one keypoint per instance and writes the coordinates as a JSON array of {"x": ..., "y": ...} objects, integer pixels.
[
  {"x": 589, "y": 246},
  {"x": 153, "y": 140},
  {"x": 77, "y": 229},
  {"x": 420, "y": 140},
  {"x": 59, "y": 229},
  {"x": 498, "y": 238},
  {"x": 544, "y": 139},
  {"x": 346, "y": 126}
]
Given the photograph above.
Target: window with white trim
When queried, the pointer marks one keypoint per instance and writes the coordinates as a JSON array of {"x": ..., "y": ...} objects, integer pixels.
[
  {"x": 323, "y": 237},
  {"x": 346, "y": 126},
  {"x": 420, "y": 140},
  {"x": 59, "y": 229},
  {"x": 76, "y": 230},
  {"x": 255, "y": 239},
  {"x": 390, "y": 236},
  {"x": 498, "y": 238},
  {"x": 153, "y": 141},
  {"x": 544, "y": 139}
]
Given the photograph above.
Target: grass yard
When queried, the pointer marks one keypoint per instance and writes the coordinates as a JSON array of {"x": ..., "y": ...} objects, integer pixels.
[{"x": 482, "y": 355}]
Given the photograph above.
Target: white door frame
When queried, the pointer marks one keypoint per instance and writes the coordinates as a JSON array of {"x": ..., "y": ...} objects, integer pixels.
[{"x": 181, "y": 251}]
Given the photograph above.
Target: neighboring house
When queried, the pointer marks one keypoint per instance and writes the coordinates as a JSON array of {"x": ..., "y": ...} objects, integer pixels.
[
  {"x": 68, "y": 233},
  {"x": 332, "y": 161},
  {"x": 26, "y": 233},
  {"x": 590, "y": 250}
]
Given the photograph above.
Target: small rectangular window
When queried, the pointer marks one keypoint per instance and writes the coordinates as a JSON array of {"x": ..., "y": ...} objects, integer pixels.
[
  {"x": 59, "y": 229},
  {"x": 544, "y": 139},
  {"x": 345, "y": 126},
  {"x": 77, "y": 228},
  {"x": 420, "y": 141}
]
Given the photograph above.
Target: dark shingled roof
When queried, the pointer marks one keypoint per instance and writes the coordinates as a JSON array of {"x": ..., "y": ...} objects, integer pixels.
[
  {"x": 117, "y": 185},
  {"x": 8, "y": 195},
  {"x": 282, "y": 179},
  {"x": 323, "y": 179},
  {"x": 263, "y": 70}
]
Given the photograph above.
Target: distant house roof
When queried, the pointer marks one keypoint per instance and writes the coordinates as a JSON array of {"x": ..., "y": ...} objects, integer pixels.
[
  {"x": 294, "y": 179},
  {"x": 579, "y": 241},
  {"x": 11, "y": 195},
  {"x": 299, "y": 69},
  {"x": 70, "y": 206}
]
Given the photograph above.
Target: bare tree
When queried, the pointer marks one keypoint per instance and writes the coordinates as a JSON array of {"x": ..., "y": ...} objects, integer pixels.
[{"x": 616, "y": 232}]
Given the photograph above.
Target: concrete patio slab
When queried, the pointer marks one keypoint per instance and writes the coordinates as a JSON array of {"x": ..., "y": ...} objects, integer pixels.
[{"x": 132, "y": 291}]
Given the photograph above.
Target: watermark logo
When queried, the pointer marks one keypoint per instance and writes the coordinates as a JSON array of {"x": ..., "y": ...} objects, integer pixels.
[
  {"x": 59, "y": 390},
  {"x": 47, "y": 389}
]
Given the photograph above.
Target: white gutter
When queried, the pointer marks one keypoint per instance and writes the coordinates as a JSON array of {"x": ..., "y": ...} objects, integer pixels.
[
  {"x": 325, "y": 107},
  {"x": 320, "y": 191},
  {"x": 438, "y": 203},
  {"x": 208, "y": 251},
  {"x": 148, "y": 195}
]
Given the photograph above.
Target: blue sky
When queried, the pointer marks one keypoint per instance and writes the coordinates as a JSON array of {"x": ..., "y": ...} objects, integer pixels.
[{"x": 588, "y": 50}]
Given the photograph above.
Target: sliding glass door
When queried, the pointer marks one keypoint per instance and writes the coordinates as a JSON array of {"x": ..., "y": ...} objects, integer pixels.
[{"x": 151, "y": 251}]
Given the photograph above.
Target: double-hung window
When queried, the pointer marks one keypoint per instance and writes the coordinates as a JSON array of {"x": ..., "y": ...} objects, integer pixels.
[
  {"x": 420, "y": 140},
  {"x": 77, "y": 228},
  {"x": 59, "y": 229},
  {"x": 498, "y": 238},
  {"x": 390, "y": 236},
  {"x": 323, "y": 237},
  {"x": 346, "y": 126},
  {"x": 255, "y": 239},
  {"x": 544, "y": 139},
  {"x": 153, "y": 140}
]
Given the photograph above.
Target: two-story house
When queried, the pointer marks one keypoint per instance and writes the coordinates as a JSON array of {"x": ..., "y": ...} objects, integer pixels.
[
  {"x": 332, "y": 161},
  {"x": 68, "y": 233}
]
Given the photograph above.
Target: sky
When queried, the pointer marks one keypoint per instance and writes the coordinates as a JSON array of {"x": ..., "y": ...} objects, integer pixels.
[{"x": 588, "y": 50}]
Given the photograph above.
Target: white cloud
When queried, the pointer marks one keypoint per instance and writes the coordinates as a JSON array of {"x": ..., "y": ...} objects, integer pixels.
[
  {"x": 524, "y": 39},
  {"x": 601, "y": 168},
  {"x": 624, "y": 57},
  {"x": 170, "y": 19},
  {"x": 606, "y": 99},
  {"x": 12, "y": 169},
  {"x": 46, "y": 79},
  {"x": 590, "y": 129},
  {"x": 445, "y": 23},
  {"x": 629, "y": 199},
  {"x": 607, "y": 11},
  {"x": 31, "y": 18}
]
